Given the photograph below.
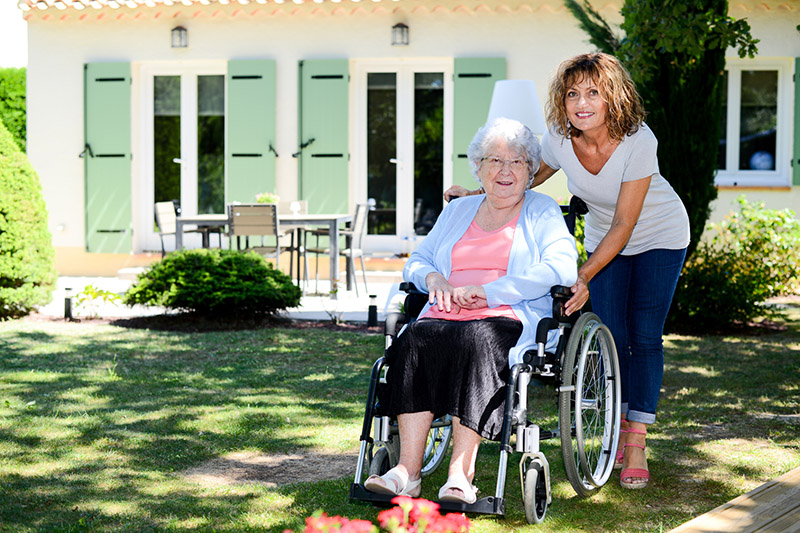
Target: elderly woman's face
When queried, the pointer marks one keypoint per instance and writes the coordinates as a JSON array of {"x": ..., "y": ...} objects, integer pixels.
[{"x": 504, "y": 172}]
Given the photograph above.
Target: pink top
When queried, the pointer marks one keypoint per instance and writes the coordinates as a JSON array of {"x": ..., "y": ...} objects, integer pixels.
[{"x": 479, "y": 257}]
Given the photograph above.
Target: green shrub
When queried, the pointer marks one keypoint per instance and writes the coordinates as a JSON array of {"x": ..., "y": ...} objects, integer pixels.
[
  {"x": 27, "y": 257},
  {"x": 13, "y": 111},
  {"x": 220, "y": 282},
  {"x": 752, "y": 256}
]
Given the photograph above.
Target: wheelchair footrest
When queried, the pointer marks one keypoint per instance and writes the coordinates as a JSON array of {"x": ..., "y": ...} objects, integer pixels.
[{"x": 489, "y": 505}]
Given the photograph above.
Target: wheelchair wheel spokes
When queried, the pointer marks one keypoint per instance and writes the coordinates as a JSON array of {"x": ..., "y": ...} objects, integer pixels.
[
  {"x": 436, "y": 445},
  {"x": 589, "y": 405}
]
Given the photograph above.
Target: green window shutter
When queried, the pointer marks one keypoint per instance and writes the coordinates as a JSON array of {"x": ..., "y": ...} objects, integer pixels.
[
  {"x": 107, "y": 157},
  {"x": 323, "y": 143},
  {"x": 472, "y": 93},
  {"x": 796, "y": 160},
  {"x": 251, "y": 129}
]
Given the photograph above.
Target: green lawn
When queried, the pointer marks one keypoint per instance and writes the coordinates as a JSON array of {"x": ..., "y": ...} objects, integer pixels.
[{"x": 99, "y": 424}]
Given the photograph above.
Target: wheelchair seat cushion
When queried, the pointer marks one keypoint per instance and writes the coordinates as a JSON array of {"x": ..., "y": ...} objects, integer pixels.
[{"x": 452, "y": 367}]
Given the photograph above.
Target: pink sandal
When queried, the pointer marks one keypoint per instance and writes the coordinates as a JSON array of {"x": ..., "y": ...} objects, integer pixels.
[
  {"x": 620, "y": 453},
  {"x": 634, "y": 473}
]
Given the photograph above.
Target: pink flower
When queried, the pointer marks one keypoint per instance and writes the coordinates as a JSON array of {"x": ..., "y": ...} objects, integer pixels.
[
  {"x": 392, "y": 518},
  {"x": 322, "y": 523},
  {"x": 423, "y": 509},
  {"x": 358, "y": 526}
]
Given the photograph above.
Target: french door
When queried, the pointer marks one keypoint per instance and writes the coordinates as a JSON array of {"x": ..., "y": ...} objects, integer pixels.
[
  {"x": 403, "y": 145},
  {"x": 182, "y": 144}
]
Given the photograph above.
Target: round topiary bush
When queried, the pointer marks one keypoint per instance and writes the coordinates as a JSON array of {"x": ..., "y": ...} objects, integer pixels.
[
  {"x": 218, "y": 282},
  {"x": 27, "y": 257}
]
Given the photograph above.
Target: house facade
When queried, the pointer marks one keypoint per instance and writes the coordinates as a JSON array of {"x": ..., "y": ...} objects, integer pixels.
[{"x": 334, "y": 102}]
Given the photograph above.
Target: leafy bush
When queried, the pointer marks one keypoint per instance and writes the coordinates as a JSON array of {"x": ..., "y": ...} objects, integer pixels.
[
  {"x": 13, "y": 112},
  {"x": 222, "y": 282},
  {"x": 752, "y": 256},
  {"x": 27, "y": 257}
]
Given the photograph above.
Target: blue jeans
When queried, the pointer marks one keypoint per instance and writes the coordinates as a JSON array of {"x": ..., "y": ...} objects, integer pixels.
[{"x": 632, "y": 296}]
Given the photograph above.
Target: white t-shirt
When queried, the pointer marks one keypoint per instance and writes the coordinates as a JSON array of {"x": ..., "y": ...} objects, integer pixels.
[{"x": 663, "y": 222}]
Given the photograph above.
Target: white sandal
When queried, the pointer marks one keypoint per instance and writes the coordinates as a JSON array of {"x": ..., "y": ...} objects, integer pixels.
[
  {"x": 400, "y": 484},
  {"x": 458, "y": 482}
]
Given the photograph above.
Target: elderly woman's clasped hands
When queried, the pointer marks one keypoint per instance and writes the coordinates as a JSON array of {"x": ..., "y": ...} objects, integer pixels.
[{"x": 452, "y": 299}]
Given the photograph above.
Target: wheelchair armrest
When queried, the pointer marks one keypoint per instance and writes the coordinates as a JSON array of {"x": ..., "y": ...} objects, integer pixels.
[
  {"x": 393, "y": 323},
  {"x": 561, "y": 294},
  {"x": 409, "y": 288}
]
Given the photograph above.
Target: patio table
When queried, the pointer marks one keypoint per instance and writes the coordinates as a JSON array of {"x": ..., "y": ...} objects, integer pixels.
[
  {"x": 333, "y": 221},
  {"x": 201, "y": 221}
]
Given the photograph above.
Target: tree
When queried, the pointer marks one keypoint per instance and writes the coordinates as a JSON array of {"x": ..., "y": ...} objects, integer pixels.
[
  {"x": 27, "y": 257},
  {"x": 12, "y": 103},
  {"x": 675, "y": 53}
]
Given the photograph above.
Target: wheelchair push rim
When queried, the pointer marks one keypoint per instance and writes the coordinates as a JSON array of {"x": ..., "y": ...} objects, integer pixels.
[{"x": 589, "y": 405}]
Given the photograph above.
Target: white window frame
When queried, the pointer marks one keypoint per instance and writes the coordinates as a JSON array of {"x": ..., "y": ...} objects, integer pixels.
[
  {"x": 782, "y": 175},
  {"x": 143, "y": 187},
  {"x": 405, "y": 240}
]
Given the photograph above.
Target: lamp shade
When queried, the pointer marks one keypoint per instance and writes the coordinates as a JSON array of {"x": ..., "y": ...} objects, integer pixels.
[{"x": 517, "y": 100}]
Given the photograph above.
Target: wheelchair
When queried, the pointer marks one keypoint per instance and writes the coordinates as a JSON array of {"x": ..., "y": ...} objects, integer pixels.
[{"x": 583, "y": 369}]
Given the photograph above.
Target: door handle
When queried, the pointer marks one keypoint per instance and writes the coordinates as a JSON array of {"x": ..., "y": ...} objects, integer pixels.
[
  {"x": 177, "y": 160},
  {"x": 394, "y": 161}
]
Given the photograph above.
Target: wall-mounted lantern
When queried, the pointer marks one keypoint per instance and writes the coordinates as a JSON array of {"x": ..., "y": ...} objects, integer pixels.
[
  {"x": 180, "y": 38},
  {"x": 399, "y": 34}
]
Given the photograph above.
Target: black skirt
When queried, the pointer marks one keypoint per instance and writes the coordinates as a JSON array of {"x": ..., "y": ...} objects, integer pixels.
[{"x": 452, "y": 367}]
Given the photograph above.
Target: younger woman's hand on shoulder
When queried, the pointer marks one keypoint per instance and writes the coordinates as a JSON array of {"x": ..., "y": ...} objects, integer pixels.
[{"x": 455, "y": 191}]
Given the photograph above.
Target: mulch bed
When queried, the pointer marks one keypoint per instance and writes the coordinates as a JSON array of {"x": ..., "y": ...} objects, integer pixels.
[{"x": 188, "y": 323}]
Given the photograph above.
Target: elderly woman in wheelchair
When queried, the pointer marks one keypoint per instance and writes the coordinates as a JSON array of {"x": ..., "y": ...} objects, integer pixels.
[{"x": 488, "y": 266}]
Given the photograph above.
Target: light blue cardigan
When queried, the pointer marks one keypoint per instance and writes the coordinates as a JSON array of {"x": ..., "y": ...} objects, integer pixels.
[{"x": 543, "y": 254}]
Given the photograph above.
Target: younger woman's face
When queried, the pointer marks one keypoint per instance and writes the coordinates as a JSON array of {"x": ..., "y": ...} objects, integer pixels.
[{"x": 586, "y": 108}]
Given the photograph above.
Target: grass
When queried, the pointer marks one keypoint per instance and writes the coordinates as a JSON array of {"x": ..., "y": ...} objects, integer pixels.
[{"x": 98, "y": 425}]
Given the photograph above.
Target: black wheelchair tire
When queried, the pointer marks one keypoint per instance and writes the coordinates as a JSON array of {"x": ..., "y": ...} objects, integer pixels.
[
  {"x": 380, "y": 463},
  {"x": 534, "y": 493},
  {"x": 589, "y": 423}
]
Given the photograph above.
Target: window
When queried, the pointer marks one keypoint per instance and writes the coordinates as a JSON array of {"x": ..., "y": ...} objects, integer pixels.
[{"x": 756, "y": 124}]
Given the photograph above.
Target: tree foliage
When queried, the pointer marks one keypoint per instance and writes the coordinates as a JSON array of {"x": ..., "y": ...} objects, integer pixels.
[
  {"x": 13, "y": 111},
  {"x": 27, "y": 257},
  {"x": 675, "y": 53}
]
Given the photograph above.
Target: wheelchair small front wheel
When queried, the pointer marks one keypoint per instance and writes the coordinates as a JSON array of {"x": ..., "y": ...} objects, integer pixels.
[
  {"x": 534, "y": 493},
  {"x": 589, "y": 405},
  {"x": 381, "y": 462}
]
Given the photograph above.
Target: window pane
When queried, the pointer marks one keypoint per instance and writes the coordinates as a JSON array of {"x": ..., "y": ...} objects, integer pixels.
[
  {"x": 167, "y": 138},
  {"x": 428, "y": 149},
  {"x": 723, "y": 134},
  {"x": 381, "y": 147},
  {"x": 759, "y": 118},
  {"x": 210, "y": 144}
]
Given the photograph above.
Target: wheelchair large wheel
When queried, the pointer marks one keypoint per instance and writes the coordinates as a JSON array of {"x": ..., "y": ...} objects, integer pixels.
[
  {"x": 589, "y": 405},
  {"x": 534, "y": 493},
  {"x": 436, "y": 446}
]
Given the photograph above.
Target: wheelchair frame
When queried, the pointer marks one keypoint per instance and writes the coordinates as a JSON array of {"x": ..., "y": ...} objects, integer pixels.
[{"x": 584, "y": 370}]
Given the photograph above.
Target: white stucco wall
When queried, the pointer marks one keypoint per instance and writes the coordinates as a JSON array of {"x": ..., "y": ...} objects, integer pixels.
[{"x": 533, "y": 36}]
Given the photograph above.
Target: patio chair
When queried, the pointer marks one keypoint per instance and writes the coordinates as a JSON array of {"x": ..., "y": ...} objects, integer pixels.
[
  {"x": 355, "y": 237},
  {"x": 166, "y": 213},
  {"x": 295, "y": 234},
  {"x": 255, "y": 220}
]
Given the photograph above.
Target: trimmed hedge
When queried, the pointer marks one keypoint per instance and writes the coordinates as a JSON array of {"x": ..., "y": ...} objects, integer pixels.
[
  {"x": 218, "y": 282},
  {"x": 752, "y": 255},
  {"x": 27, "y": 257},
  {"x": 13, "y": 106}
]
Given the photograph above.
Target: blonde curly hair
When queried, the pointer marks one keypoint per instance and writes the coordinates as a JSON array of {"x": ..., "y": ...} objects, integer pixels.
[{"x": 625, "y": 109}]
